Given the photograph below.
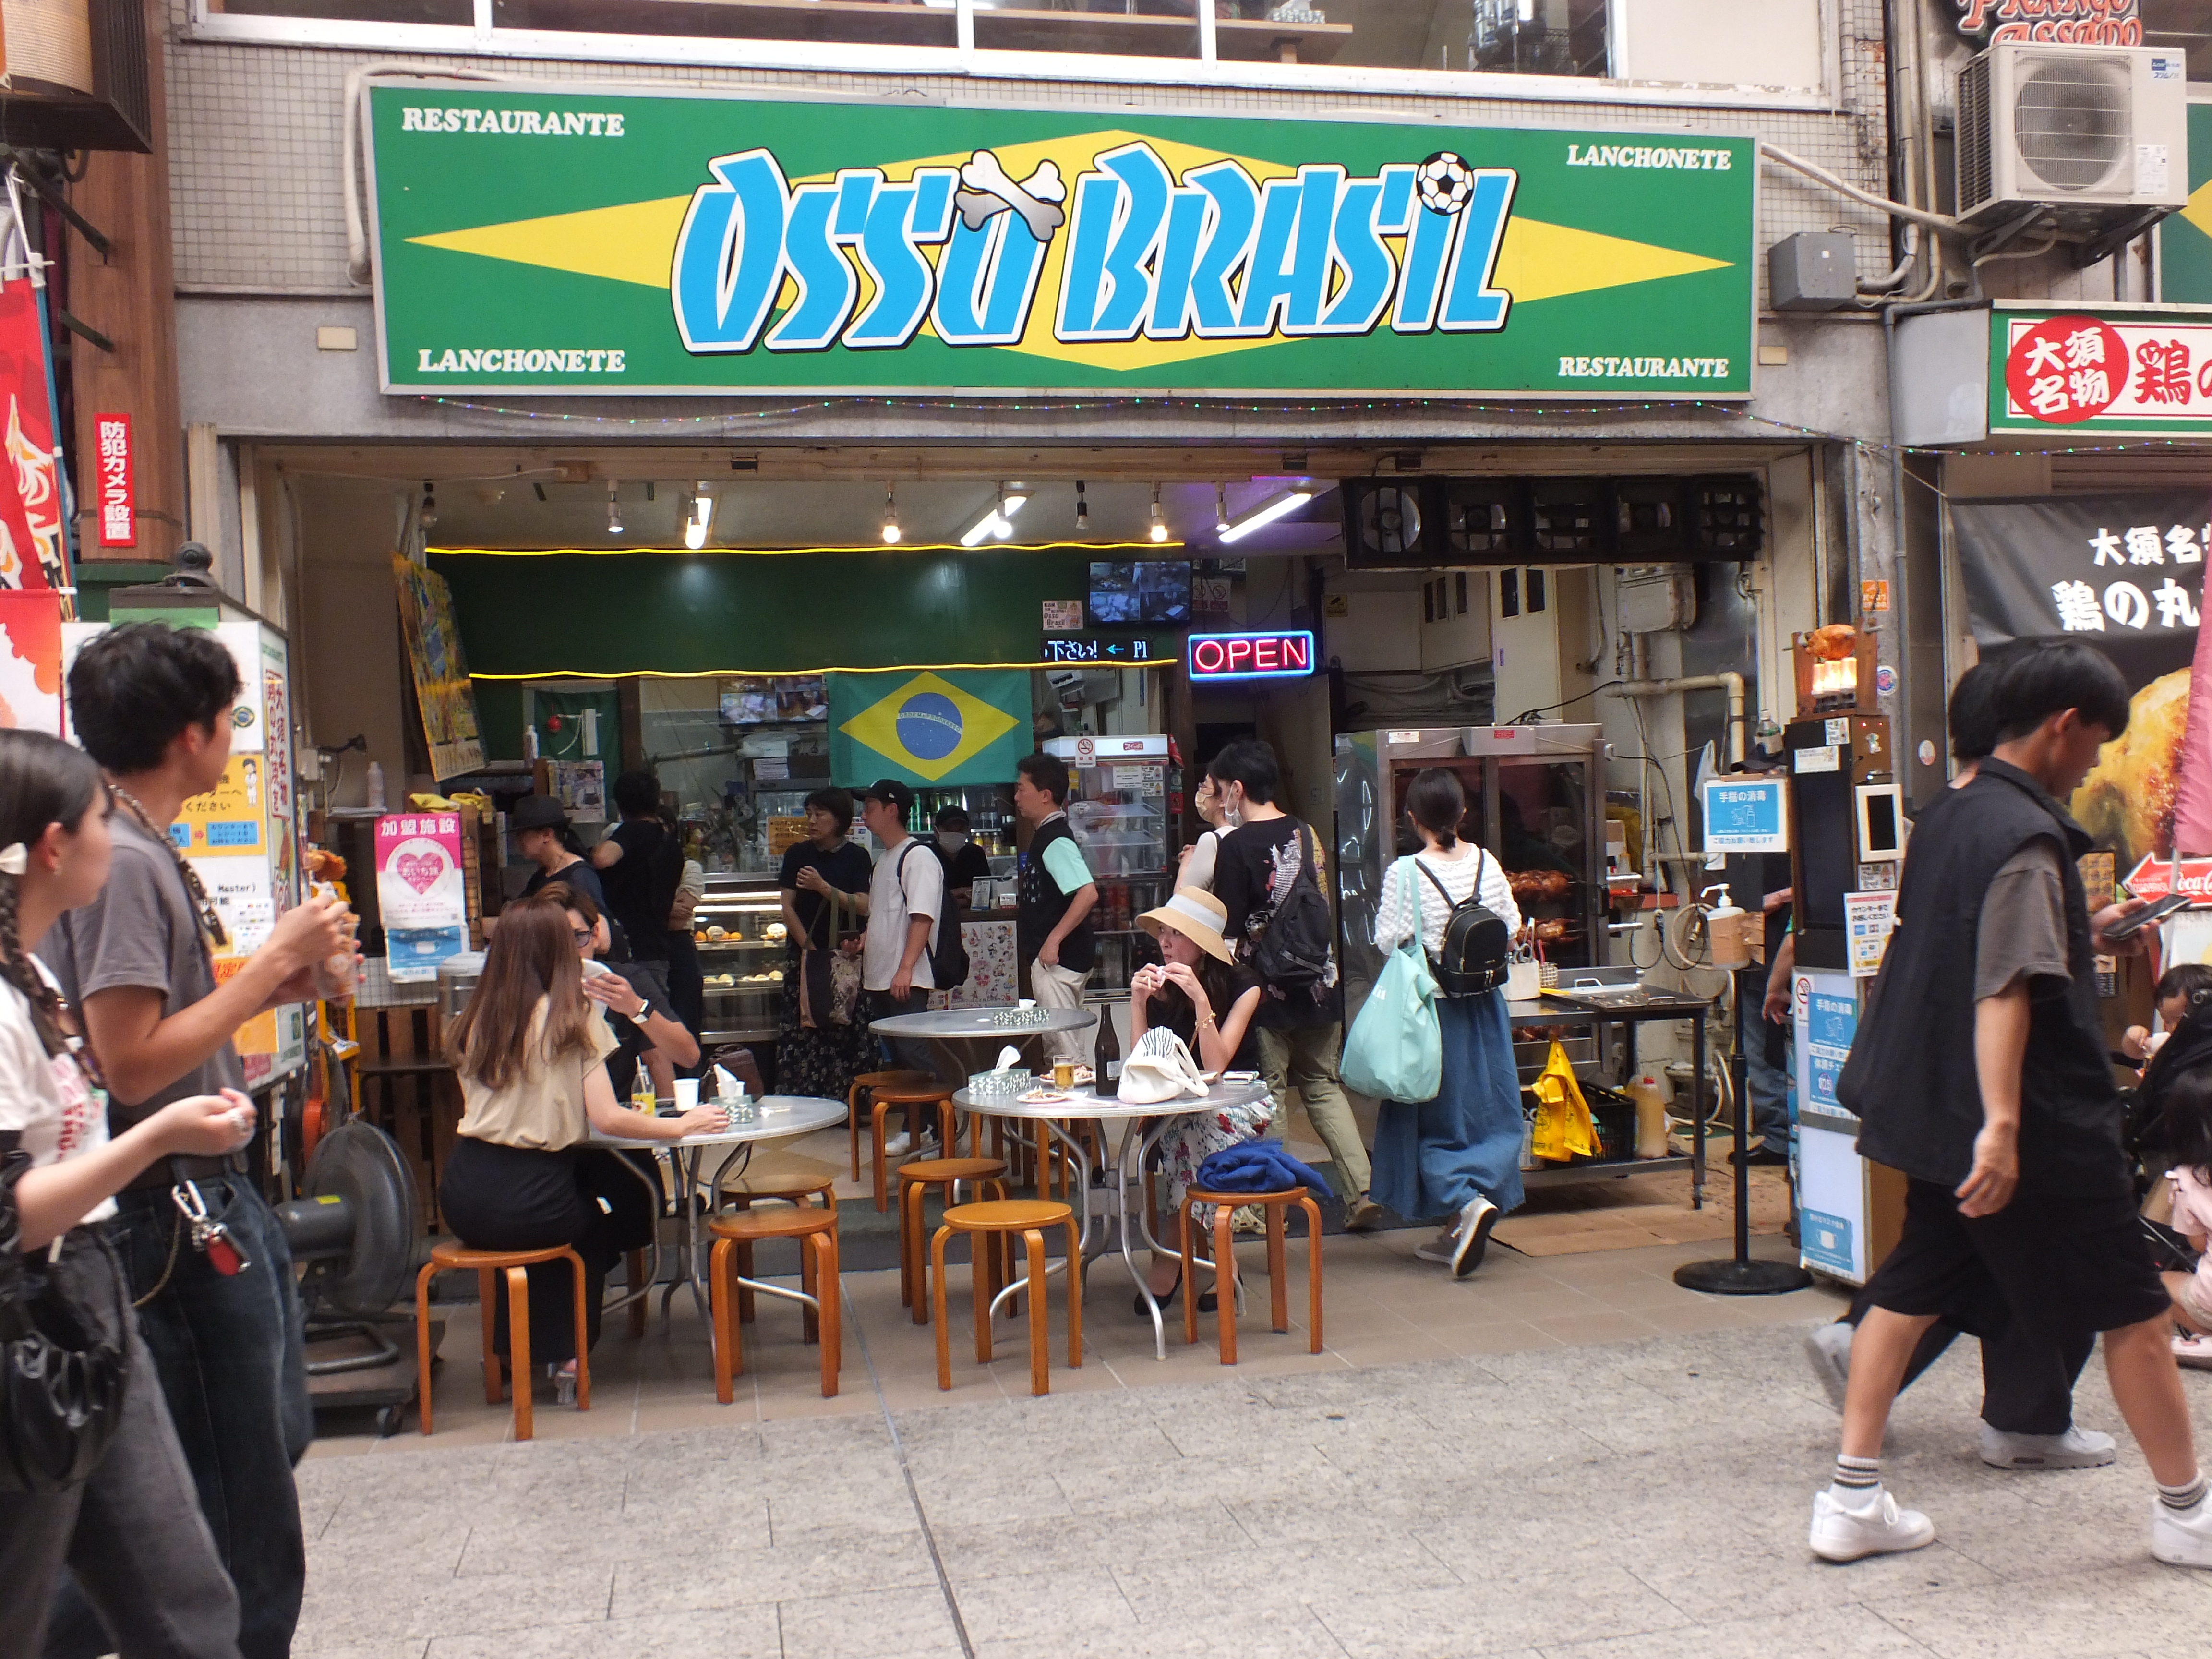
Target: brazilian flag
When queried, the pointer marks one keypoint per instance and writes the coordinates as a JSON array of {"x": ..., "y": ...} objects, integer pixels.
[
  {"x": 928, "y": 728},
  {"x": 2184, "y": 239}
]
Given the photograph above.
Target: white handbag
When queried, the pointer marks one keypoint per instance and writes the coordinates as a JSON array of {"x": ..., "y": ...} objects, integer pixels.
[{"x": 1159, "y": 1069}]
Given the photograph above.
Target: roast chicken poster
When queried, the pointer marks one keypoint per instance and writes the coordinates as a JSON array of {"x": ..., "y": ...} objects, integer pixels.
[{"x": 2125, "y": 572}]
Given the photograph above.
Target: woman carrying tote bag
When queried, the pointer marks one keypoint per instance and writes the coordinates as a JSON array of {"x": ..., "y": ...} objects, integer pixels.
[
  {"x": 90, "y": 1471},
  {"x": 1458, "y": 1155}
]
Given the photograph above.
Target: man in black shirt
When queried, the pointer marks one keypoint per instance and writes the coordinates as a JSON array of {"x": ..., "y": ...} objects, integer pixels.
[
  {"x": 1979, "y": 1070},
  {"x": 640, "y": 864},
  {"x": 964, "y": 862},
  {"x": 1264, "y": 851}
]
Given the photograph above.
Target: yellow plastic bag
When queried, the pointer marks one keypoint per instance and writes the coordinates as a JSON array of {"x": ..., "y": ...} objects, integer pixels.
[{"x": 1562, "y": 1128}]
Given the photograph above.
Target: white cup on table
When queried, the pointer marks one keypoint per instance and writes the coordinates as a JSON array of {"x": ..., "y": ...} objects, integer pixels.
[{"x": 687, "y": 1093}]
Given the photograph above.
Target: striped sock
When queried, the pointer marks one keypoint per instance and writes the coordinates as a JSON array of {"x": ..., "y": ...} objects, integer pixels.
[
  {"x": 1857, "y": 1477},
  {"x": 2185, "y": 1497}
]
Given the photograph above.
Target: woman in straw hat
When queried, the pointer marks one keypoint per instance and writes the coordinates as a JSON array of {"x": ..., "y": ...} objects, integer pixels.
[{"x": 1202, "y": 995}]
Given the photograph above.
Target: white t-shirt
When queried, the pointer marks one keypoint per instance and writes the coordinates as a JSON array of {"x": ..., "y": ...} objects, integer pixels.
[
  {"x": 45, "y": 1101},
  {"x": 1402, "y": 883},
  {"x": 918, "y": 866}
]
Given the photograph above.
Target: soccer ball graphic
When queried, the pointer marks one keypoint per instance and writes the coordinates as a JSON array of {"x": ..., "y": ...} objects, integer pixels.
[{"x": 1445, "y": 182}]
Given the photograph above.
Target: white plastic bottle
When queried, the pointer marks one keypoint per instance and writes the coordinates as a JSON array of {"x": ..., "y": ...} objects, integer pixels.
[{"x": 376, "y": 803}]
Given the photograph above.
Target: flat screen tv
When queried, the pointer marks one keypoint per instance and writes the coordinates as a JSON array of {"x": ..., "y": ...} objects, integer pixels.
[{"x": 1155, "y": 591}]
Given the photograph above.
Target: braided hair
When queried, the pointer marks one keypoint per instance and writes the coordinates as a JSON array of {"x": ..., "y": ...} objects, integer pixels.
[{"x": 43, "y": 781}]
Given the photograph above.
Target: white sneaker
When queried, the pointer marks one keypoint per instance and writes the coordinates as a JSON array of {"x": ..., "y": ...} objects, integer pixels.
[
  {"x": 2077, "y": 1449},
  {"x": 1843, "y": 1533},
  {"x": 1829, "y": 1348},
  {"x": 898, "y": 1145},
  {"x": 1440, "y": 1247},
  {"x": 2182, "y": 1538},
  {"x": 1472, "y": 1236},
  {"x": 2192, "y": 1349}
]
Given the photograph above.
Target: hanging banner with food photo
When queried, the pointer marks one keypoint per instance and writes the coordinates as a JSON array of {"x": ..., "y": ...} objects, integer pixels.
[{"x": 2126, "y": 573}]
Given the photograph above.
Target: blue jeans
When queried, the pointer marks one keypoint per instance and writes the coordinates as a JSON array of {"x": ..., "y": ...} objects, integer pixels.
[
  {"x": 1769, "y": 1084},
  {"x": 231, "y": 1355}
]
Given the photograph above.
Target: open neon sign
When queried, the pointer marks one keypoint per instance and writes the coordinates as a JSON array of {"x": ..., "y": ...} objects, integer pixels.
[{"x": 1284, "y": 654}]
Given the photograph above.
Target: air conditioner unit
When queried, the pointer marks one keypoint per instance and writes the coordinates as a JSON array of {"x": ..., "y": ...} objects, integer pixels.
[{"x": 2097, "y": 134}]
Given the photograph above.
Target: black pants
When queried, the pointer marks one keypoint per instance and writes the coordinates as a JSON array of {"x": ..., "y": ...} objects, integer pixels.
[
  {"x": 511, "y": 1198},
  {"x": 2028, "y": 1377},
  {"x": 905, "y": 1053},
  {"x": 687, "y": 990}
]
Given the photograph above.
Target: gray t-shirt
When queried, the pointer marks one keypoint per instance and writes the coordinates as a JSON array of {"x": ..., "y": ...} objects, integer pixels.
[
  {"x": 142, "y": 932},
  {"x": 2023, "y": 926}
]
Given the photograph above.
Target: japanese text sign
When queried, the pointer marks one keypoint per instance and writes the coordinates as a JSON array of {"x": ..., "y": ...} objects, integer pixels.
[
  {"x": 118, "y": 524},
  {"x": 1747, "y": 815},
  {"x": 422, "y": 896},
  {"x": 2072, "y": 371}
]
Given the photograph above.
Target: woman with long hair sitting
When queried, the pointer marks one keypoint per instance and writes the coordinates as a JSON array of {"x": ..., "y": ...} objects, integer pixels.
[
  {"x": 131, "y": 1531},
  {"x": 531, "y": 1050},
  {"x": 1208, "y": 999}
]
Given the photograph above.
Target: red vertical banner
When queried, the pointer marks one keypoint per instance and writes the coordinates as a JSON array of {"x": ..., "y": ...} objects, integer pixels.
[
  {"x": 31, "y": 660},
  {"x": 33, "y": 550},
  {"x": 119, "y": 524}
]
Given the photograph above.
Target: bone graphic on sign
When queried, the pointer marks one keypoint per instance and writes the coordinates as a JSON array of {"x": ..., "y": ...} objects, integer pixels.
[{"x": 1036, "y": 197}]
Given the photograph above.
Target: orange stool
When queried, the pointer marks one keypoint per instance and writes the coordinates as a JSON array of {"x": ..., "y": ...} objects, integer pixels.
[
  {"x": 816, "y": 1230},
  {"x": 1224, "y": 1252},
  {"x": 909, "y": 1100},
  {"x": 456, "y": 1258},
  {"x": 866, "y": 1082},
  {"x": 915, "y": 1179},
  {"x": 988, "y": 1224},
  {"x": 798, "y": 1181}
]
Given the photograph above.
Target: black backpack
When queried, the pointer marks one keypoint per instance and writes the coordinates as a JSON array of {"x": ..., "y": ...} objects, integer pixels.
[
  {"x": 1293, "y": 954},
  {"x": 947, "y": 953},
  {"x": 1477, "y": 946}
]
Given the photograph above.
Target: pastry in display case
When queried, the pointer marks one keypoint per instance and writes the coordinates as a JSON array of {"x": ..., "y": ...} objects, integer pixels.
[{"x": 743, "y": 954}]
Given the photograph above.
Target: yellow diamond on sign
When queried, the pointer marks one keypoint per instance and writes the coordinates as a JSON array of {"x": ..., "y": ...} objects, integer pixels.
[{"x": 929, "y": 726}]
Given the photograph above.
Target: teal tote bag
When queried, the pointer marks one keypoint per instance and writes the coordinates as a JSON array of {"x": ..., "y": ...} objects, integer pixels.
[{"x": 1394, "y": 1051}]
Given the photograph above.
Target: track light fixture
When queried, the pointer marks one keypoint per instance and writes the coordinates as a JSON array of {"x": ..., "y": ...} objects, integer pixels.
[
  {"x": 997, "y": 523},
  {"x": 701, "y": 519},
  {"x": 1082, "y": 507},
  {"x": 1221, "y": 506},
  {"x": 614, "y": 510},
  {"x": 1159, "y": 530},
  {"x": 891, "y": 516},
  {"x": 429, "y": 504}
]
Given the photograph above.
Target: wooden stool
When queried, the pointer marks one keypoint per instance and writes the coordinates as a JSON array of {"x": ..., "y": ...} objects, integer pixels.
[
  {"x": 915, "y": 1179},
  {"x": 1223, "y": 1253},
  {"x": 987, "y": 1223},
  {"x": 455, "y": 1258},
  {"x": 790, "y": 1180},
  {"x": 868, "y": 1081},
  {"x": 909, "y": 1100},
  {"x": 816, "y": 1230}
]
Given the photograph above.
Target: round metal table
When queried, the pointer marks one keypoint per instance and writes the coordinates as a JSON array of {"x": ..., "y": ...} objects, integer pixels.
[
  {"x": 1123, "y": 1225},
  {"x": 778, "y": 1117},
  {"x": 967, "y": 1039}
]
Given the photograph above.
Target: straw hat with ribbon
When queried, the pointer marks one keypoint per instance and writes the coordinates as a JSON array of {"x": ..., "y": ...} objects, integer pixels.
[{"x": 1197, "y": 915}]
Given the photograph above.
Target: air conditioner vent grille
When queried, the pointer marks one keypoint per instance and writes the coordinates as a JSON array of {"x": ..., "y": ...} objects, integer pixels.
[
  {"x": 1975, "y": 181},
  {"x": 2070, "y": 121}
]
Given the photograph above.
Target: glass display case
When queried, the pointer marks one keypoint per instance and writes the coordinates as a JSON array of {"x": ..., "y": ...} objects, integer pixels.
[
  {"x": 743, "y": 957},
  {"x": 1117, "y": 807},
  {"x": 1535, "y": 798}
]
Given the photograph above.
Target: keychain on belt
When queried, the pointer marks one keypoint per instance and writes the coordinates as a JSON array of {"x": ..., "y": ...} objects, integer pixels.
[{"x": 210, "y": 1237}]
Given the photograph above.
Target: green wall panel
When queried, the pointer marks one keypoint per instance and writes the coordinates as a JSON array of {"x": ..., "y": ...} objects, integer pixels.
[{"x": 541, "y": 615}]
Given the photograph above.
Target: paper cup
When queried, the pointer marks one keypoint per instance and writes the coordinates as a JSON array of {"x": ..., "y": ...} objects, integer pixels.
[{"x": 687, "y": 1093}]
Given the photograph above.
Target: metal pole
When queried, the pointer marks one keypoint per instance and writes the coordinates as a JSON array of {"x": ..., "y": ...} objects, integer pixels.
[{"x": 1739, "y": 1275}]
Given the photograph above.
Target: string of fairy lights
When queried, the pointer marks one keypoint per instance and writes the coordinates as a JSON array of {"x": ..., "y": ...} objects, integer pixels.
[{"x": 725, "y": 417}]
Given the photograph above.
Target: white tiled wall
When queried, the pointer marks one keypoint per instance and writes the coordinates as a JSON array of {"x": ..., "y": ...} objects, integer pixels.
[{"x": 254, "y": 158}]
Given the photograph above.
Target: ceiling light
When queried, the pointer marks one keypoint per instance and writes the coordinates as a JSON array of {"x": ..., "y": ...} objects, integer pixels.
[
  {"x": 890, "y": 517},
  {"x": 1159, "y": 530},
  {"x": 999, "y": 521},
  {"x": 1221, "y": 506},
  {"x": 1082, "y": 507},
  {"x": 701, "y": 519},
  {"x": 429, "y": 504},
  {"x": 614, "y": 511},
  {"x": 1270, "y": 510}
]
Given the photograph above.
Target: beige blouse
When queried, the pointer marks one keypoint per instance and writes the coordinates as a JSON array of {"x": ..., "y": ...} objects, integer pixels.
[{"x": 541, "y": 1110}]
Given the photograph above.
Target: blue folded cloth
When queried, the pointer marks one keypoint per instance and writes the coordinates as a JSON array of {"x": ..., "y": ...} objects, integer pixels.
[{"x": 1261, "y": 1167}]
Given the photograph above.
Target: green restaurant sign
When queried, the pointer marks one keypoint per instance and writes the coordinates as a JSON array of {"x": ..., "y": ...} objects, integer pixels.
[{"x": 591, "y": 241}]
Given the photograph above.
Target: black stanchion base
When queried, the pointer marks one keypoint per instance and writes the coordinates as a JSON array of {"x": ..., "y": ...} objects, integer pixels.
[{"x": 1734, "y": 1278}]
